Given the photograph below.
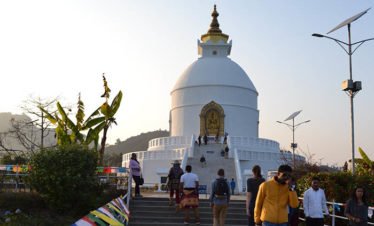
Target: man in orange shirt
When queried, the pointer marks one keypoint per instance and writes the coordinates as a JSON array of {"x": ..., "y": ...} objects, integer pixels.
[{"x": 273, "y": 199}]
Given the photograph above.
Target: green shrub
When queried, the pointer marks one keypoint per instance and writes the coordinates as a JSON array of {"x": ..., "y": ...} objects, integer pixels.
[{"x": 65, "y": 177}]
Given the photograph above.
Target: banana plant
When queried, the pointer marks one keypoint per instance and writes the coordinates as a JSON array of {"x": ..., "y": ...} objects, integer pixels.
[
  {"x": 99, "y": 121},
  {"x": 366, "y": 164},
  {"x": 108, "y": 111},
  {"x": 66, "y": 131}
]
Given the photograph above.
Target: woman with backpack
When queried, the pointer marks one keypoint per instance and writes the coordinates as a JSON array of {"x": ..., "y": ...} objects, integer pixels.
[{"x": 220, "y": 198}]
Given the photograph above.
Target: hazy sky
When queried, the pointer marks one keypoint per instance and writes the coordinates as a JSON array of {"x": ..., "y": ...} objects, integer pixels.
[{"x": 60, "y": 48}]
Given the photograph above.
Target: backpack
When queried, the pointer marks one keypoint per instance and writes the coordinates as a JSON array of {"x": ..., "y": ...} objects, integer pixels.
[
  {"x": 175, "y": 173},
  {"x": 222, "y": 188}
]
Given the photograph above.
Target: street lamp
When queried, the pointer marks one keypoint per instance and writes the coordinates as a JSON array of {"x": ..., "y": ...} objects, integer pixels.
[
  {"x": 293, "y": 127},
  {"x": 349, "y": 86}
]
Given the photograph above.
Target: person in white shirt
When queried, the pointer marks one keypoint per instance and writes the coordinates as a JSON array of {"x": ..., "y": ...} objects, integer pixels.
[
  {"x": 189, "y": 184},
  {"x": 315, "y": 204}
]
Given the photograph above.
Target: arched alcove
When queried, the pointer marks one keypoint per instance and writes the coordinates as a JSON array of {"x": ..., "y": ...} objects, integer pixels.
[{"x": 212, "y": 120}]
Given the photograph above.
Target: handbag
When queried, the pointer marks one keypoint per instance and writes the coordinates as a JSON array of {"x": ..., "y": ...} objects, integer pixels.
[{"x": 141, "y": 180}]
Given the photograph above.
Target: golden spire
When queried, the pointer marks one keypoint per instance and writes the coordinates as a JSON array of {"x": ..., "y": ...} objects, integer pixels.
[
  {"x": 214, "y": 33},
  {"x": 214, "y": 26}
]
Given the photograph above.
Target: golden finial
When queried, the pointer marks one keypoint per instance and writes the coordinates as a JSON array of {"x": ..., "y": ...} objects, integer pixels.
[
  {"x": 214, "y": 34},
  {"x": 214, "y": 26}
]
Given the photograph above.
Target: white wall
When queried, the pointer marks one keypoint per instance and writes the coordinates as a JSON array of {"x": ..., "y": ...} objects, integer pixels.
[{"x": 239, "y": 104}]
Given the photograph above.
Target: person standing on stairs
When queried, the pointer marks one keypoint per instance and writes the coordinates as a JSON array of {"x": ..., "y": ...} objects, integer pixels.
[
  {"x": 227, "y": 152},
  {"x": 205, "y": 139},
  {"x": 174, "y": 176},
  {"x": 203, "y": 161},
  {"x": 189, "y": 185},
  {"x": 199, "y": 140},
  {"x": 220, "y": 198}
]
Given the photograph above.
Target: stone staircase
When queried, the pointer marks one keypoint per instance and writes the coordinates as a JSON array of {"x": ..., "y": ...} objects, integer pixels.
[
  {"x": 157, "y": 212},
  {"x": 215, "y": 161}
]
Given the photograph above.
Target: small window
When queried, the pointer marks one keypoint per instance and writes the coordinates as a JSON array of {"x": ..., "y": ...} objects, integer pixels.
[{"x": 214, "y": 52}]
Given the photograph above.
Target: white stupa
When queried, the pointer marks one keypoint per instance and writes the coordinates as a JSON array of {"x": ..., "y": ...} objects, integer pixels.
[{"x": 215, "y": 97}]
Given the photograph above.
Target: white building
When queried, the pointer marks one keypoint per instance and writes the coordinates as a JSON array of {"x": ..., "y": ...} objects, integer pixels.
[{"x": 213, "y": 96}]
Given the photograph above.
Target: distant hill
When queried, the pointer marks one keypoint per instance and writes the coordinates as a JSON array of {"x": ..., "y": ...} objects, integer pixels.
[{"x": 135, "y": 143}]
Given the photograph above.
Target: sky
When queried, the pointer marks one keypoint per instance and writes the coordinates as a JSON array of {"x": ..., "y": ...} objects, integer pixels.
[{"x": 61, "y": 48}]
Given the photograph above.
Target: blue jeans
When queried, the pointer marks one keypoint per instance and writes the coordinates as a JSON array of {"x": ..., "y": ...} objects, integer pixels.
[{"x": 265, "y": 223}]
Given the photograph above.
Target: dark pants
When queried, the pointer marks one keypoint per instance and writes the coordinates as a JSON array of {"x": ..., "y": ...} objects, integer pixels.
[
  {"x": 314, "y": 221},
  {"x": 137, "y": 181},
  {"x": 177, "y": 195},
  {"x": 251, "y": 219}
]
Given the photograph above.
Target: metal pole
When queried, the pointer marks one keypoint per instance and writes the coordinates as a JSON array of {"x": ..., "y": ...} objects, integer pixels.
[
  {"x": 293, "y": 142},
  {"x": 351, "y": 95},
  {"x": 333, "y": 212}
]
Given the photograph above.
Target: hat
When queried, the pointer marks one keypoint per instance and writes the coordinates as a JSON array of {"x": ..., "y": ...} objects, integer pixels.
[{"x": 176, "y": 162}]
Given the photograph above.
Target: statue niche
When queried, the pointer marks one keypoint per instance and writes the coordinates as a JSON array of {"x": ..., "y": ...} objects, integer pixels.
[{"x": 212, "y": 120}]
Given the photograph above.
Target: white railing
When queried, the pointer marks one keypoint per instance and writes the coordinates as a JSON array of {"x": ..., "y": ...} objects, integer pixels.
[
  {"x": 237, "y": 171},
  {"x": 157, "y": 155},
  {"x": 267, "y": 156},
  {"x": 253, "y": 142},
  {"x": 333, "y": 215},
  {"x": 184, "y": 160},
  {"x": 163, "y": 143}
]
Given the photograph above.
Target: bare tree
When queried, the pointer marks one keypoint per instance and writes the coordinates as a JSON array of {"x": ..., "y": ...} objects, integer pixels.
[{"x": 31, "y": 107}]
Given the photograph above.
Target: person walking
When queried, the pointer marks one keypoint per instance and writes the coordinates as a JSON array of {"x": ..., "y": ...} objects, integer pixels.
[
  {"x": 189, "y": 184},
  {"x": 203, "y": 161},
  {"x": 199, "y": 140},
  {"x": 220, "y": 198},
  {"x": 315, "y": 204},
  {"x": 135, "y": 170},
  {"x": 174, "y": 176},
  {"x": 227, "y": 151},
  {"x": 274, "y": 197},
  {"x": 252, "y": 188},
  {"x": 357, "y": 208},
  {"x": 232, "y": 185}
]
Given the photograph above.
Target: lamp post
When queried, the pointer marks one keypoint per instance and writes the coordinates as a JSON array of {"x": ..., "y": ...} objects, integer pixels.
[
  {"x": 293, "y": 127},
  {"x": 349, "y": 86}
]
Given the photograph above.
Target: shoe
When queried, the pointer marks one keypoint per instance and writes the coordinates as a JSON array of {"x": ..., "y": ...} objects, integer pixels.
[{"x": 186, "y": 223}]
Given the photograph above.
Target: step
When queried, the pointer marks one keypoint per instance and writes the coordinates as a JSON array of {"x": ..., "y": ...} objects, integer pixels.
[
  {"x": 174, "y": 224},
  {"x": 156, "y": 211},
  {"x": 232, "y": 205},
  {"x": 203, "y": 219},
  {"x": 171, "y": 213}
]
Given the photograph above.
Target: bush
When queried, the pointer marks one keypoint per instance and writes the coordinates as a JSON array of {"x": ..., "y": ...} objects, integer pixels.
[{"x": 65, "y": 177}]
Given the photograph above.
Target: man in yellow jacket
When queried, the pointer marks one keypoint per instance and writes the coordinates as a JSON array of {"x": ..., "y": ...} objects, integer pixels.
[{"x": 273, "y": 199}]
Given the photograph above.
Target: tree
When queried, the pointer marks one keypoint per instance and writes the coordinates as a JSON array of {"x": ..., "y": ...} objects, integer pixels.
[
  {"x": 108, "y": 111},
  {"x": 100, "y": 120},
  {"x": 32, "y": 107},
  {"x": 65, "y": 176},
  {"x": 28, "y": 132}
]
